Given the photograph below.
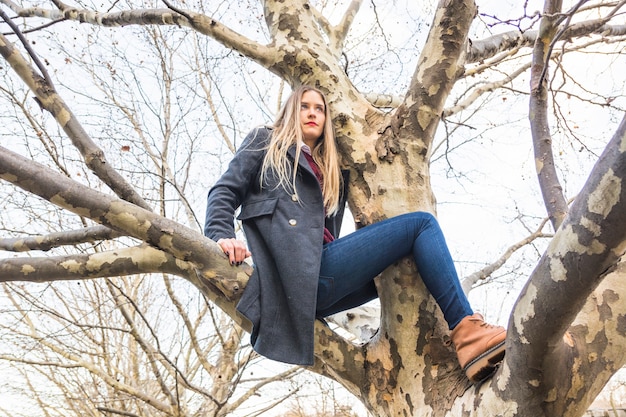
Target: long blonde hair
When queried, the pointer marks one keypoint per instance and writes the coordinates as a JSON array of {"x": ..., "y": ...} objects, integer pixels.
[{"x": 287, "y": 132}]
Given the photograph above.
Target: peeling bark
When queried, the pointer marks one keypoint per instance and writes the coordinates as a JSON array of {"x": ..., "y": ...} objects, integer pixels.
[
  {"x": 121, "y": 262},
  {"x": 584, "y": 251}
]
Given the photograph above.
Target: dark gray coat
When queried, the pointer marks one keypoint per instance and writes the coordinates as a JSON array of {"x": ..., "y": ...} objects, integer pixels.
[{"x": 285, "y": 236}]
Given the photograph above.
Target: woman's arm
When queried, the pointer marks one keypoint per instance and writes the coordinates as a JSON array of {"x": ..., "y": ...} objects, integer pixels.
[{"x": 230, "y": 191}]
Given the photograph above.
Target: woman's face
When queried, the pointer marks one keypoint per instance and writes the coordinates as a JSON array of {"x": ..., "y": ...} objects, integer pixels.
[{"x": 312, "y": 117}]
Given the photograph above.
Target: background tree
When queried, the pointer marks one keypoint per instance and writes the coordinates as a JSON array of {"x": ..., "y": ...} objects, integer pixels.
[
  {"x": 142, "y": 345},
  {"x": 445, "y": 85}
]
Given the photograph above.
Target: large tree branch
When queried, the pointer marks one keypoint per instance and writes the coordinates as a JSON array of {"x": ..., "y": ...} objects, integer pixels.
[
  {"x": 583, "y": 252},
  {"x": 482, "y": 49},
  {"x": 301, "y": 53},
  {"x": 337, "y": 34},
  {"x": 170, "y": 17},
  {"x": 339, "y": 359},
  {"x": 593, "y": 350},
  {"x": 49, "y": 100},
  {"x": 120, "y": 262},
  {"x": 405, "y": 136},
  {"x": 437, "y": 70},
  {"x": 167, "y": 235},
  {"x": 554, "y": 200}
]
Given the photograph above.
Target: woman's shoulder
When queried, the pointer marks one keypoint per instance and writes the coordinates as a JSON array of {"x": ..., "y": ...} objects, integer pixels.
[
  {"x": 258, "y": 137},
  {"x": 262, "y": 131}
]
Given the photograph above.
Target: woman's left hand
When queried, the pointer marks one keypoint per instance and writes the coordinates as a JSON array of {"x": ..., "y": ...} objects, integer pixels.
[{"x": 235, "y": 249}]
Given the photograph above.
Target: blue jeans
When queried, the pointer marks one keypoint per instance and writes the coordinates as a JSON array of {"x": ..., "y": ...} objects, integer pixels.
[{"x": 350, "y": 264}]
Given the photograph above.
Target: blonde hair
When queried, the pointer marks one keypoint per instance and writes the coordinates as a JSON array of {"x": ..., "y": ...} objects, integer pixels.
[{"x": 287, "y": 131}]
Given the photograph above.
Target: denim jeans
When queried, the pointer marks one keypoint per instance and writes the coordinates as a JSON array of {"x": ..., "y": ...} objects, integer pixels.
[{"x": 350, "y": 264}]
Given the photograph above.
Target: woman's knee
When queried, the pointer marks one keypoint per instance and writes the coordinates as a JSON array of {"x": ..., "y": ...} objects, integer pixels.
[{"x": 424, "y": 217}]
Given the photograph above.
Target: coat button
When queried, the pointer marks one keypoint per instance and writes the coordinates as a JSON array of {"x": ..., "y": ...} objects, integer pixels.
[
  {"x": 294, "y": 197},
  {"x": 292, "y": 222}
]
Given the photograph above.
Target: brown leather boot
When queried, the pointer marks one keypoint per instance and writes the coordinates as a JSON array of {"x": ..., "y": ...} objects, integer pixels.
[{"x": 479, "y": 346}]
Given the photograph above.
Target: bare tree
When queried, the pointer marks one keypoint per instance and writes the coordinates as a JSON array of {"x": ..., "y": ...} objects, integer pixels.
[{"x": 566, "y": 329}]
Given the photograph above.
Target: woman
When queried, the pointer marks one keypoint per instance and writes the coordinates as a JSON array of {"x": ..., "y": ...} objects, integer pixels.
[{"x": 291, "y": 217}]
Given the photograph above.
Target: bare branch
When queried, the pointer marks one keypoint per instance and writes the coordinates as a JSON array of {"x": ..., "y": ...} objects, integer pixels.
[
  {"x": 28, "y": 48},
  {"x": 155, "y": 354},
  {"x": 390, "y": 101},
  {"x": 295, "y": 370},
  {"x": 117, "y": 412},
  {"x": 342, "y": 29},
  {"x": 568, "y": 18},
  {"x": 448, "y": 33},
  {"x": 54, "y": 240},
  {"x": 177, "y": 10},
  {"x": 554, "y": 200},
  {"x": 49, "y": 99},
  {"x": 70, "y": 357},
  {"x": 159, "y": 159},
  {"x": 119, "y": 262},
  {"x": 485, "y": 88},
  {"x": 206, "y": 87},
  {"x": 480, "y": 50},
  {"x": 337, "y": 34},
  {"x": 201, "y": 23},
  {"x": 182, "y": 311},
  {"x": 39, "y": 130},
  {"x": 169, "y": 236},
  {"x": 39, "y": 363},
  {"x": 490, "y": 63},
  {"x": 486, "y": 272},
  {"x": 483, "y": 49},
  {"x": 11, "y": 5},
  {"x": 584, "y": 250}
]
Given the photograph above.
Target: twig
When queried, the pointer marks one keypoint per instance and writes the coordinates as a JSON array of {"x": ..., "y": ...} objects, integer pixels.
[
  {"x": 568, "y": 16},
  {"x": 30, "y": 51},
  {"x": 177, "y": 10},
  {"x": 47, "y": 25}
]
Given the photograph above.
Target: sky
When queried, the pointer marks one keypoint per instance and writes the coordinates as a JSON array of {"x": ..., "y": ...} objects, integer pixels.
[{"x": 487, "y": 192}]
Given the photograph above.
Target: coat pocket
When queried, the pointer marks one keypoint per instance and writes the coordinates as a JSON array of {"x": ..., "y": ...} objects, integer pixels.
[{"x": 257, "y": 208}]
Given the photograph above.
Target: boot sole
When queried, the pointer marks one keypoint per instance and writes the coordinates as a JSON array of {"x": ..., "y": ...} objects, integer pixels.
[{"x": 484, "y": 365}]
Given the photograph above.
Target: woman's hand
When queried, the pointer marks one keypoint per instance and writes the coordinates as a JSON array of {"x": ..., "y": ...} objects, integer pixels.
[{"x": 235, "y": 249}]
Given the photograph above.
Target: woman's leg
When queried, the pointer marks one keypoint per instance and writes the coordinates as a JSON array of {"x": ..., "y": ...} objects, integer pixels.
[{"x": 350, "y": 264}]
